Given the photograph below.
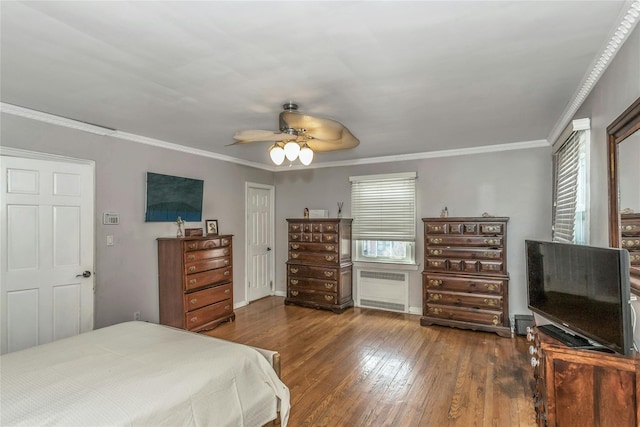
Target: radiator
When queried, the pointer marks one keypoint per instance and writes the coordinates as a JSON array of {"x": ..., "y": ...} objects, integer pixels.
[{"x": 382, "y": 289}]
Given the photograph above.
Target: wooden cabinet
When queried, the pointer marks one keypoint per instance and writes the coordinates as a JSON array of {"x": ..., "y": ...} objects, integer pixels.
[
  {"x": 319, "y": 268},
  {"x": 583, "y": 388},
  {"x": 195, "y": 279},
  {"x": 630, "y": 236},
  {"x": 465, "y": 281}
]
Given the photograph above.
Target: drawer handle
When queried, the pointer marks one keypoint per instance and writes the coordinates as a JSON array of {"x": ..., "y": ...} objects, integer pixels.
[
  {"x": 192, "y": 268},
  {"x": 492, "y": 254},
  {"x": 435, "y": 297},
  {"x": 226, "y": 262},
  {"x": 295, "y": 246},
  {"x": 435, "y": 251},
  {"x": 491, "y": 286},
  {"x": 328, "y": 297},
  {"x": 295, "y": 237},
  {"x": 294, "y": 281},
  {"x": 225, "y": 242},
  {"x": 435, "y": 241},
  {"x": 191, "y": 257},
  {"x": 436, "y": 310},
  {"x": 329, "y": 238},
  {"x": 437, "y": 228},
  {"x": 330, "y": 227},
  {"x": 629, "y": 227},
  {"x": 491, "y": 267},
  {"x": 193, "y": 281},
  {"x": 227, "y": 307},
  {"x": 328, "y": 273},
  {"x": 435, "y": 282},
  {"x": 329, "y": 257},
  {"x": 328, "y": 285},
  {"x": 294, "y": 293},
  {"x": 226, "y": 273},
  {"x": 193, "y": 301},
  {"x": 436, "y": 263},
  {"x": 492, "y": 241},
  {"x": 294, "y": 255},
  {"x": 329, "y": 247},
  {"x": 192, "y": 246},
  {"x": 491, "y": 302},
  {"x": 492, "y": 228},
  {"x": 495, "y": 320},
  {"x": 295, "y": 227},
  {"x": 225, "y": 252},
  {"x": 227, "y": 291},
  {"x": 293, "y": 270},
  {"x": 634, "y": 258},
  {"x": 630, "y": 243},
  {"x": 194, "y": 319}
]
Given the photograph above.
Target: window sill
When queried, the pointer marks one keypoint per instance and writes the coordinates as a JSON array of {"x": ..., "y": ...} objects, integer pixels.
[{"x": 386, "y": 265}]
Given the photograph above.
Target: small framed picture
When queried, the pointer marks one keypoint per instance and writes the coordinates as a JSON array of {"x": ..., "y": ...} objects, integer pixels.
[{"x": 212, "y": 226}]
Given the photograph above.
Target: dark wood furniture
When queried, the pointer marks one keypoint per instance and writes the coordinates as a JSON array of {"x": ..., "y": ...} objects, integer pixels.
[
  {"x": 583, "y": 388},
  {"x": 195, "y": 279},
  {"x": 319, "y": 268},
  {"x": 630, "y": 236},
  {"x": 465, "y": 279}
]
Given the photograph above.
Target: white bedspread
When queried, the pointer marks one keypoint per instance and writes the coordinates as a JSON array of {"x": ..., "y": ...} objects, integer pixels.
[{"x": 139, "y": 373}]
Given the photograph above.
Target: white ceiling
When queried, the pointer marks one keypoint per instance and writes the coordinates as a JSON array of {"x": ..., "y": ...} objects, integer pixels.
[{"x": 404, "y": 77}]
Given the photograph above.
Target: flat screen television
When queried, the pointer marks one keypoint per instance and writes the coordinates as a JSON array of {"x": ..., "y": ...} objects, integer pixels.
[{"x": 584, "y": 289}]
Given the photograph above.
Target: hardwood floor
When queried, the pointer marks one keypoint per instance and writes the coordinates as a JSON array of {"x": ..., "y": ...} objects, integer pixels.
[{"x": 376, "y": 368}]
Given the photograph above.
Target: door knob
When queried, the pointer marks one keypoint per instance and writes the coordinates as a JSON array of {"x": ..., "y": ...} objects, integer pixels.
[
  {"x": 85, "y": 273},
  {"x": 268, "y": 249}
]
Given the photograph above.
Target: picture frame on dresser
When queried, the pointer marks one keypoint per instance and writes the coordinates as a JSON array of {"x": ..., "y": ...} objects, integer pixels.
[{"x": 211, "y": 226}]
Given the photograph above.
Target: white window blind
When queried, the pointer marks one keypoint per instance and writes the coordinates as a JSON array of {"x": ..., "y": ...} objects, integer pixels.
[
  {"x": 383, "y": 207},
  {"x": 566, "y": 164}
]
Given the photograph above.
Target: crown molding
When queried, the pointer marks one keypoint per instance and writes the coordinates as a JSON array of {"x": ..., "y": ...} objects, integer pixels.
[{"x": 627, "y": 21}]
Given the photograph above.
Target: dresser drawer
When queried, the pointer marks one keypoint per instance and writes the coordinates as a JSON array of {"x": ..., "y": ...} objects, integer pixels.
[
  {"x": 465, "y": 299},
  {"x": 630, "y": 225},
  {"x": 206, "y": 264},
  {"x": 485, "y": 317},
  {"x": 314, "y": 247},
  {"x": 308, "y": 295},
  {"x": 316, "y": 258},
  {"x": 634, "y": 257},
  {"x": 462, "y": 284},
  {"x": 210, "y": 277},
  {"x": 461, "y": 241},
  {"x": 197, "y": 318},
  {"x": 313, "y": 272},
  {"x": 198, "y": 299},
  {"x": 324, "y": 237},
  {"x": 464, "y": 253},
  {"x": 197, "y": 245},
  {"x": 295, "y": 228},
  {"x": 315, "y": 284},
  {"x": 206, "y": 254}
]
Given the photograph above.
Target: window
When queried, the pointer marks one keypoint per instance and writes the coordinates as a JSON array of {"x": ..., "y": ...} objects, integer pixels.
[
  {"x": 571, "y": 191},
  {"x": 384, "y": 217}
]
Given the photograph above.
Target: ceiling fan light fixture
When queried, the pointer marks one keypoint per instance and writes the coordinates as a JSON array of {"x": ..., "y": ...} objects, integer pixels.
[
  {"x": 291, "y": 150},
  {"x": 276, "y": 152},
  {"x": 306, "y": 155}
]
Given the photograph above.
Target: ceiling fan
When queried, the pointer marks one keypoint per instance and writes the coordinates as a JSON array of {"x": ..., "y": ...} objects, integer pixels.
[{"x": 300, "y": 135}]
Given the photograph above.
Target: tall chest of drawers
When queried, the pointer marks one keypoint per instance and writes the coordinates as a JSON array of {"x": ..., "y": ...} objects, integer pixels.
[
  {"x": 630, "y": 236},
  {"x": 465, "y": 279},
  {"x": 195, "y": 279},
  {"x": 319, "y": 268}
]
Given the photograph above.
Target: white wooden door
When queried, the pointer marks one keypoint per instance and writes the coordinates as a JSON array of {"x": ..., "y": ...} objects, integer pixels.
[
  {"x": 47, "y": 231},
  {"x": 259, "y": 241}
]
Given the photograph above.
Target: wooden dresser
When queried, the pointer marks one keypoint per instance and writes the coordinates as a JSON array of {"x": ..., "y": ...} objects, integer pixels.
[
  {"x": 195, "y": 278},
  {"x": 319, "y": 269},
  {"x": 465, "y": 279},
  {"x": 582, "y": 388},
  {"x": 630, "y": 236}
]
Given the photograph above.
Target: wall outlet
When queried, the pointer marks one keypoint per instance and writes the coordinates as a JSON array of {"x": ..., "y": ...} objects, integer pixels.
[{"x": 136, "y": 315}]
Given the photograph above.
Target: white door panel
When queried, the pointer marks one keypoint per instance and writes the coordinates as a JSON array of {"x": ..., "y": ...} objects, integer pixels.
[
  {"x": 259, "y": 241},
  {"x": 47, "y": 218}
]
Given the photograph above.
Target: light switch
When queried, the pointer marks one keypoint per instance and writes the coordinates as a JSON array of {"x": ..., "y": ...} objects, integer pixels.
[{"x": 109, "y": 240}]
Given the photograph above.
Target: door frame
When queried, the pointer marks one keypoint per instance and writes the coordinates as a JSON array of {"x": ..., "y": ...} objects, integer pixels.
[
  {"x": 37, "y": 155},
  {"x": 272, "y": 233}
]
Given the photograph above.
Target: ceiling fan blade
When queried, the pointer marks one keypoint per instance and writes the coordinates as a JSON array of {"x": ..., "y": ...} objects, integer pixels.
[
  {"x": 318, "y": 127},
  {"x": 261, "y": 135},
  {"x": 346, "y": 141}
]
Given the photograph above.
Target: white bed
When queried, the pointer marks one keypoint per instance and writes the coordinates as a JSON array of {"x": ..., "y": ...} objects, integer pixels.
[{"x": 139, "y": 373}]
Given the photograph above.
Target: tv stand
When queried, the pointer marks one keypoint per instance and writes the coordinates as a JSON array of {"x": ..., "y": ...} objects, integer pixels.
[
  {"x": 564, "y": 337},
  {"x": 582, "y": 386}
]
